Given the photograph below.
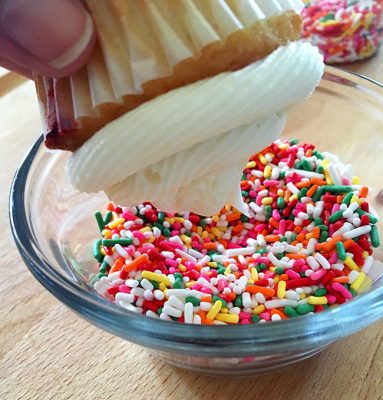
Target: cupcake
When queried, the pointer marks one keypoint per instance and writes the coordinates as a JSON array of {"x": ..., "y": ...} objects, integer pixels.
[{"x": 345, "y": 31}]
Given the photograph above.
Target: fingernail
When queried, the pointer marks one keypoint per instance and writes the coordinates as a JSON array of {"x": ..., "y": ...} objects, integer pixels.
[{"x": 56, "y": 32}]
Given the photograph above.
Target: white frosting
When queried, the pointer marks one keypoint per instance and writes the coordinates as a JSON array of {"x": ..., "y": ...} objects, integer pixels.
[{"x": 186, "y": 149}]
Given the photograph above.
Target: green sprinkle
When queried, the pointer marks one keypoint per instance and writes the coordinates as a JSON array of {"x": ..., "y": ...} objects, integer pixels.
[
  {"x": 347, "y": 198},
  {"x": 268, "y": 211},
  {"x": 374, "y": 234},
  {"x": 100, "y": 275},
  {"x": 120, "y": 241},
  {"x": 323, "y": 236},
  {"x": 108, "y": 217},
  {"x": 166, "y": 232},
  {"x": 320, "y": 169},
  {"x": 217, "y": 298},
  {"x": 283, "y": 239},
  {"x": 282, "y": 175},
  {"x": 318, "y": 155},
  {"x": 328, "y": 17},
  {"x": 290, "y": 312},
  {"x": 323, "y": 227},
  {"x": 280, "y": 202},
  {"x": 192, "y": 300},
  {"x": 160, "y": 217},
  {"x": 178, "y": 284},
  {"x": 221, "y": 271},
  {"x": 262, "y": 266},
  {"x": 332, "y": 189},
  {"x": 244, "y": 218},
  {"x": 318, "y": 221},
  {"x": 97, "y": 250},
  {"x": 238, "y": 302},
  {"x": 244, "y": 193},
  {"x": 103, "y": 267},
  {"x": 155, "y": 284},
  {"x": 279, "y": 270},
  {"x": 353, "y": 292},
  {"x": 305, "y": 308},
  {"x": 335, "y": 217},
  {"x": 306, "y": 165},
  {"x": 293, "y": 237},
  {"x": 340, "y": 251},
  {"x": 294, "y": 141},
  {"x": 279, "y": 256},
  {"x": 320, "y": 292},
  {"x": 177, "y": 275},
  {"x": 303, "y": 192},
  {"x": 373, "y": 219},
  {"x": 255, "y": 318},
  {"x": 159, "y": 226},
  {"x": 100, "y": 220},
  {"x": 262, "y": 251}
]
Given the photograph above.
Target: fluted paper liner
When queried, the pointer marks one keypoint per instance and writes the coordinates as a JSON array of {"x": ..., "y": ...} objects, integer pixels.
[{"x": 148, "y": 47}]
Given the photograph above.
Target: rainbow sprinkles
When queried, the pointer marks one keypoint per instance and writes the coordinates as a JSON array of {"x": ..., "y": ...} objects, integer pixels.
[{"x": 306, "y": 244}]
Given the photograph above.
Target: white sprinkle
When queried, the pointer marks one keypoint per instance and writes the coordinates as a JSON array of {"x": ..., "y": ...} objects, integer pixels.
[
  {"x": 148, "y": 295},
  {"x": 293, "y": 189},
  {"x": 352, "y": 276},
  {"x": 357, "y": 232},
  {"x": 205, "y": 306},
  {"x": 138, "y": 292},
  {"x": 305, "y": 174},
  {"x": 188, "y": 313},
  {"x": 147, "y": 284},
  {"x": 318, "y": 209},
  {"x": 186, "y": 255},
  {"x": 235, "y": 310},
  {"x": 197, "y": 320},
  {"x": 128, "y": 306},
  {"x": 276, "y": 317},
  {"x": 308, "y": 272},
  {"x": 196, "y": 254},
  {"x": 367, "y": 264},
  {"x": 126, "y": 297},
  {"x": 338, "y": 267},
  {"x": 334, "y": 174},
  {"x": 278, "y": 303},
  {"x": 257, "y": 209},
  {"x": 277, "y": 249},
  {"x": 152, "y": 314},
  {"x": 165, "y": 317},
  {"x": 246, "y": 299},
  {"x": 311, "y": 246},
  {"x": 322, "y": 261},
  {"x": 171, "y": 311},
  {"x": 292, "y": 295},
  {"x": 260, "y": 298},
  {"x": 140, "y": 302},
  {"x": 159, "y": 294},
  {"x": 244, "y": 251},
  {"x": 312, "y": 263},
  {"x": 261, "y": 240},
  {"x": 345, "y": 228},
  {"x": 274, "y": 260}
]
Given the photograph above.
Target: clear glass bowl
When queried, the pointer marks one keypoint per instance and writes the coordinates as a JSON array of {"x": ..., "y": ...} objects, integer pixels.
[{"x": 54, "y": 229}]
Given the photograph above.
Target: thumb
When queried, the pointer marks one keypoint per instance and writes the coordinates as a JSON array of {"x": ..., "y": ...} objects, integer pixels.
[{"x": 49, "y": 37}]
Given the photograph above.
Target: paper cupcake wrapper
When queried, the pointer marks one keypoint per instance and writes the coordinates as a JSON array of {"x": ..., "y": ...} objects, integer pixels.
[{"x": 146, "y": 48}]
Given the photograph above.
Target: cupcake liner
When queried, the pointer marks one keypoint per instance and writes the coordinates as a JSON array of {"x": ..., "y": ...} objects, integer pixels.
[{"x": 146, "y": 48}]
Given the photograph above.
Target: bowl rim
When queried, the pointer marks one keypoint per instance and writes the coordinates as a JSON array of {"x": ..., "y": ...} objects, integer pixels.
[{"x": 224, "y": 341}]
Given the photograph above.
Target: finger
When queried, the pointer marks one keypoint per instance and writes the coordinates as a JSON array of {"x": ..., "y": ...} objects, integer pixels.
[
  {"x": 15, "y": 67},
  {"x": 56, "y": 36}
]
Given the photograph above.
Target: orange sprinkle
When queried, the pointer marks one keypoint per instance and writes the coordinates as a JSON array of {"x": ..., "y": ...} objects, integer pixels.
[
  {"x": 210, "y": 246},
  {"x": 273, "y": 223},
  {"x": 298, "y": 229},
  {"x": 233, "y": 217},
  {"x": 303, "y": 184},
  {"x": 274, "y": 311},
  {"x": 110, "y": 206},
  {"x": 135, "y": 263},
  {"x": 117, "y": 266},
  {"x": 312, "y": 190},
  {"x": 238, "y": 228},
  {"x": 329, "y": 246},
  {"x": 339, "y": 198},
  {"x": 294, "y": 256},
  {"x": 266, "y": 291},
  {"x": 317, "y": 181},
  {"x": 341, "y": 279},
  {"x": 287, "y": 196},
  {"x": 272, "y": 238},
  {"x": 206, "y": 299},
  {"x": 284, "y": 277},
  {"x": 316, "y": 233},
  {"x": 363, "y": 192},
  {"x": 309, "y": 152},
  {"x": 301, "y": 237},
  {"x": 348, "y": 243}
]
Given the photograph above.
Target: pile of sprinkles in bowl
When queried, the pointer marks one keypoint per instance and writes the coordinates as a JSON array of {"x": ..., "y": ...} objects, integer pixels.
[
  {"x": 306, "y": 245},
  {"x": 344, "y": 30}
]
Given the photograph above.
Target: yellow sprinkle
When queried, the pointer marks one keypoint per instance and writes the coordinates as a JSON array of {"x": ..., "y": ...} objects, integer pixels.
[
  {"x": 328, "y": 178},
  {"x": 267, "y": 201},
  {"x": 146, "y": 229},
  {"x": 179, "y": 219},
  {"x": 254, "y": 274},
  {"x": 224, "y": 310},
  {"x": 227, "y": 207},
  {"x": 214, "y": 310},
  {"x": 221, "y": 228},
  {"x": 277, "y": 279},
  {"x": 355, "y": 180},
  {"x": 267, "y": 172},
  {"x": 165, "y": 291},
  {"x": 215, "y": 218},
  {"x": 302, "y": 296},
  {"x": 216, "y": 232},
  {"x": 152, "y": 276},
  {"x": 199, "y": 230},
  {"x": 293, "y": 197},
  {"x": 250, "y": 281},
  {"x": 106, "y": 233},
  {"x": 211, "y": 236},
  {"x": 102, "y": 251},
  {"x": 365, "y": 254},
  {"x": 353, "y": 199},
  {"x": 259, "y": 309},
  {"x": 272, "y": 269},
  {"x": 115, "y": 223},
  {"x": 262, "y": 159},
  {"x": 182, "y": 268},
  {"x": 325, "y": 163},
  {"x": 227, "y": 271},
  {"x": 228, "y": 318},
  {"x": 170, "y": 220},
  {"x": 162, "y": 286},
  {"x": 212, "y": 264},
  {"x": 280, "y": 193},
  {"x": 151, "y": 239},
  {"x": 281, "y": 290},
  {"x": 329, "y": 23},
  {"x": 251, "y": 164},
  {"x": 190, "y": 284},
  {"x": 317, "y": 300},
  {"x": 351, "y": 264},
  {"x": 205, "y": 234},
  {"x": 358, "y": 281},
  {"x": 185, "y": 239}
]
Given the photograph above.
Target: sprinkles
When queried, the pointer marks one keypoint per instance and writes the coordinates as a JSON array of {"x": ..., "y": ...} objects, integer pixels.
[
  {"x": 305, "y": 245},
  {"x": 344, "y": 30}
]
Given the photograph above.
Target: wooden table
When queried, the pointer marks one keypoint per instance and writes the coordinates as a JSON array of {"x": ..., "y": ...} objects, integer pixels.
[{"x": 47, "y": 352}]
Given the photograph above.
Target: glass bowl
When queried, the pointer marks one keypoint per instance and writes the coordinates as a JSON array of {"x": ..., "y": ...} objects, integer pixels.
[{"x": 54, "y": 229}]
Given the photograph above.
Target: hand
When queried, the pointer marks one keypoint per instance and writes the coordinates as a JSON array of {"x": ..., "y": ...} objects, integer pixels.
[{"x": 48, "y": 37}]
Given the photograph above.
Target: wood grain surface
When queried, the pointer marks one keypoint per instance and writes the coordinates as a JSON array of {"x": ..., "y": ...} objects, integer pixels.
[{"x": 48, "y": 352}]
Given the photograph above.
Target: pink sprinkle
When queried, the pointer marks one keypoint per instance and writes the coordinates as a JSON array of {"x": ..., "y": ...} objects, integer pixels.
[
  {"x": 171, "y": 263},
  {"x": 333, "y": 258},
  {"x": 222, "y": 284},
  {"x": 292, "y": 274},
  {"x": 342, "y": 290},
  {"x": 244, "y": 315},
  {"x": 206, "y": 290},
  {"x": 244, "y": 321},
  {"x": 276, "y": 215},
  {"x": 330, "y": 299},
  {"x": 316, "y": 275},
  {"x": 335, "y": 208},
  {"x": 299, "y": 263},
  {"x": 139, "y": 235},
  {"x": 265, "y": 316},
  {"x": 172, "y": 270},
  {"x": 196, "y": 286},
  {"x": 271, "y": 183},
  {"x": 282, "y": 226},
  {"x": 125, "y": 289}
]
